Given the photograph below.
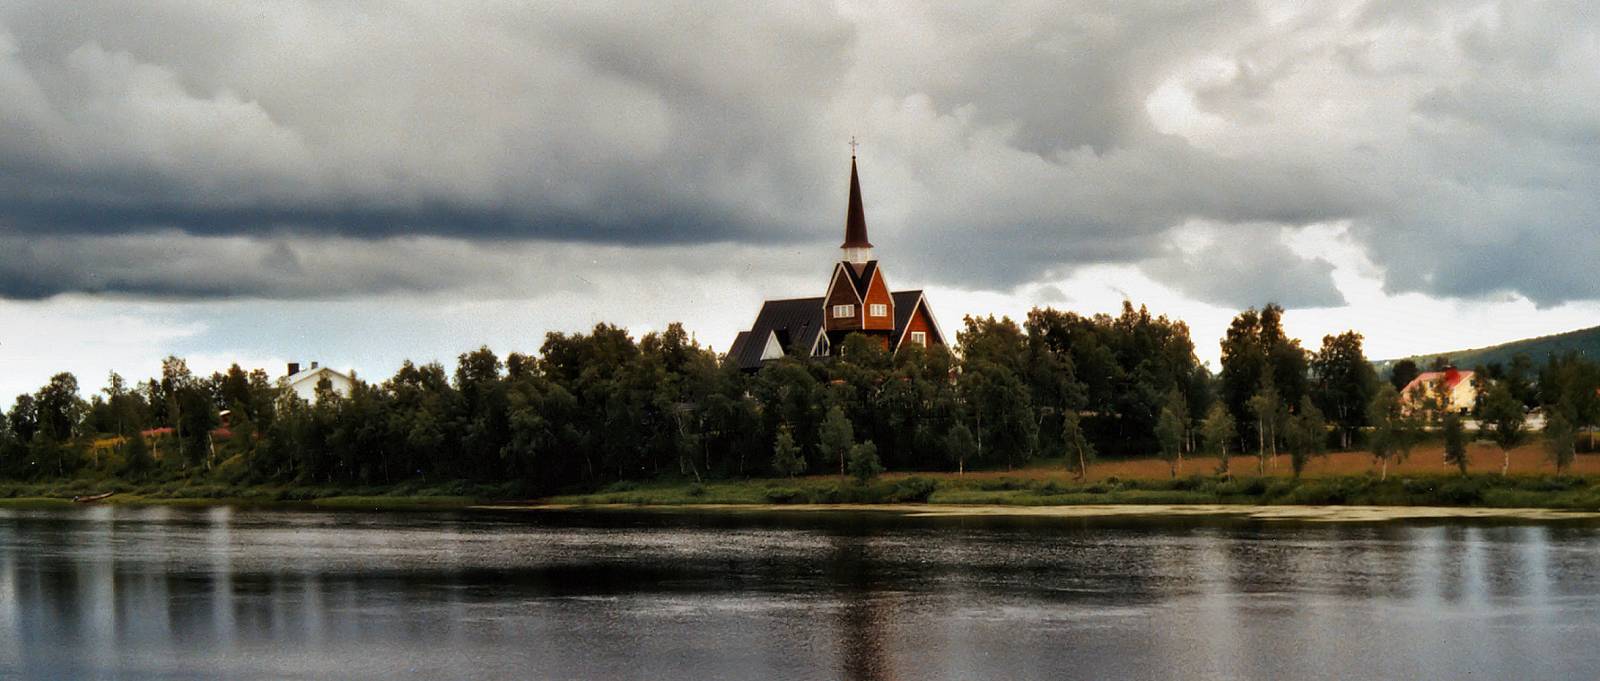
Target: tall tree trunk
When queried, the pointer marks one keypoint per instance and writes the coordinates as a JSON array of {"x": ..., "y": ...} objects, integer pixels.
[{"x": 1505, "y": 463}]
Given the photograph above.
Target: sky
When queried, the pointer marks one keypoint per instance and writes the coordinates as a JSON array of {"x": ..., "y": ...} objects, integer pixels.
[{"x": 358, "y": 183}]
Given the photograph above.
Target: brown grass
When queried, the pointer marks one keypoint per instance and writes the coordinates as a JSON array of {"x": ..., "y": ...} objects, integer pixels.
[{"x": 1425, "y": 459}]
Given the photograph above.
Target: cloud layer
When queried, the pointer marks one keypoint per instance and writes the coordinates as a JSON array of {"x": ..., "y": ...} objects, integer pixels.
[{"x": 340, "y": 149}]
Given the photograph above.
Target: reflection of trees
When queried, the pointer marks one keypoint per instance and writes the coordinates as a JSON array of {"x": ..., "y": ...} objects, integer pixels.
[{"x": 863, "y": 618}]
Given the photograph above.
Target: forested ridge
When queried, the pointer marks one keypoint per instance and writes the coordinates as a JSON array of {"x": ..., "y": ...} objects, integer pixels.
[{"x": 589, "y": 409}]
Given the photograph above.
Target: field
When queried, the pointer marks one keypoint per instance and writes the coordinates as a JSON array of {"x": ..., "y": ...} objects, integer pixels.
[{"x": 1424, "y": 460}]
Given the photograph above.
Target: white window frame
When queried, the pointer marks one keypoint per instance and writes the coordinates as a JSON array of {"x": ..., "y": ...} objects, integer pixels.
[
  {"x": 879, "y": 310},
  {"x": 920, "y": 338},
  {"x": 844, "y": 311}
]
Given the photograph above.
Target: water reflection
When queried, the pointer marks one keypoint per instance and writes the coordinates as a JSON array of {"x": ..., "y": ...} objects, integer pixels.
[{"x": 229, "y": 593}]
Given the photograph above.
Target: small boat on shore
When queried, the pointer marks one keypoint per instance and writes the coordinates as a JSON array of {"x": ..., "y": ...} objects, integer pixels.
[{"x": 91, "y": 498}]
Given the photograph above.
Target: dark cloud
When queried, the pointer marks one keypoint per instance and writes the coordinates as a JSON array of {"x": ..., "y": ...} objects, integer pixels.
[{"x": 1001, "y": 147}]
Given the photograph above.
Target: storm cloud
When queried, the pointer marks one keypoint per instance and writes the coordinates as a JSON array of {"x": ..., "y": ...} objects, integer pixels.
[{"x": 315, "y": 149}]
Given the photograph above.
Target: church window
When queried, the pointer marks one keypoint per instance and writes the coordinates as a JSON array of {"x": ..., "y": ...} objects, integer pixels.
[
  {"x": 920, "y": 338},
  {"x": 880, "y": 310},
  {"x": 844, "y": 311}
]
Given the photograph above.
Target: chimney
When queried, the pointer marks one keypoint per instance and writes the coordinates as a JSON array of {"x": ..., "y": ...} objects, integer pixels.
[
  {"x": 313, "y": 365},
  {"x": 294, "y": 368}
]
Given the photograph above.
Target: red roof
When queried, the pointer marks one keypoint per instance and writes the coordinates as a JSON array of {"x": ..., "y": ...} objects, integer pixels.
[{"x": 1452, "y": 377}]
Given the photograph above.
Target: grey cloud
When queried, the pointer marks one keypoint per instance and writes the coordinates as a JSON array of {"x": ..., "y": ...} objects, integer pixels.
[
  {"x": 1002, "y": 146},
  {"x": 1248, "y": 266},
  {"x": 172, "y": 265}
]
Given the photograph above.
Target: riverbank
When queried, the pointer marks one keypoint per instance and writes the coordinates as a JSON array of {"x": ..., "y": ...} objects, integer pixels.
[
  {"x": 1332, "y": 514},
  {"x": 1475, "y": 491},
  {"x": 1045, "y": 484},
  {"x": 405, "y": 496}
]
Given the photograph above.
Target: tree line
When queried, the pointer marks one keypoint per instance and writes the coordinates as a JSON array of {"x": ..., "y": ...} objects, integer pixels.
[{"x": 592, "y": 408}]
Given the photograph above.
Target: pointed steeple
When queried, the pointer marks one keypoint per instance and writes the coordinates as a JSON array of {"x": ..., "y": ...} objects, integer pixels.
[{"x": 856, "y": 247}]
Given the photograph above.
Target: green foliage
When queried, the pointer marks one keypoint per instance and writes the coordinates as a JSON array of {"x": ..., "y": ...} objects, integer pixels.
[
  {"x": 786, "y": 459},
  {"x": 864, "y": 463},
  {"x": 1079, "y": 451},
  {"x": 997, "y": 405},
  {"x": 1560, "y": 440},
  {"x": 1117, "y": 372},
  {"x": 600, "y": 408},
  {"x": 837, "y": 436},
  {"x": 1344, "y": 383},
  {"x": 1403, "y": 372},
  {"x": 1394, "y": 431},
  {"x": 1455, "y": 442},
  {"x": 1218, "y": 433},
  {"x": 1261, "y": 363},
  {"x": 136, "y": 461},
  {"x": 1169, "y": 434},
  {"x": 1503, "y": 420},
  {"x": 1305, "y": 435},
  {"x": 961, "y": 445}
]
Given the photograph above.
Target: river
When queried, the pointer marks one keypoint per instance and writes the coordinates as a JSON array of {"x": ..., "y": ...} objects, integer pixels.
[{"x": 226, "y": 593}]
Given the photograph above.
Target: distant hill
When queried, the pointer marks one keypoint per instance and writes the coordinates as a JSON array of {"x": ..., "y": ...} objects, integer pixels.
[{"x": 1585, "y": 342}]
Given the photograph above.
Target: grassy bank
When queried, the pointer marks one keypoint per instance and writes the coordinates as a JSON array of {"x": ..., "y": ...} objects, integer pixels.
[
  {"x": 412, "y": 495},
  {"x": 1575, "y": 493},
  {"x": 1343, "y": 479}
]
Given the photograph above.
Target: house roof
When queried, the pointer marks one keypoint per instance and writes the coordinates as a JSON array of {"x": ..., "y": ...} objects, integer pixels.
[
  {"x": 1451, "y": 378},
  {"x": 313, "y": 374},
  {"x": 738, "y": 343},
  {"x": 905, "y": 302},
  {"x": 795, "y": 321}
]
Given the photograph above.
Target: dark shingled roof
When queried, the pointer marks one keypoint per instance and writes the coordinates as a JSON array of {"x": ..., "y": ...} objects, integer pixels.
[
  {"x": 796, "y": 322},
  {"x": 738, "y": 344}
]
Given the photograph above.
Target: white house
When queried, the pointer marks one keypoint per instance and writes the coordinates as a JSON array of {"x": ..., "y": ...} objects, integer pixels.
[{"x": 304, "y": 381}]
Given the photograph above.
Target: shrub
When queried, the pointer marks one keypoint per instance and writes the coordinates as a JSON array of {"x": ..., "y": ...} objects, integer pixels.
[
  {"x": 621, "y": 486},
  {"x": 785, "y": 495},
  {"x": 912, "y": 490},
  {"x": 864, "y": 464},
  {"x": 1462, "y": 492},
  {"x": 696, "y": 490}
]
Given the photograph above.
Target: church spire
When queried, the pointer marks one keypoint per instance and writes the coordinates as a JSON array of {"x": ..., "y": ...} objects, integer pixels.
[{"x": 856, "y": 247}]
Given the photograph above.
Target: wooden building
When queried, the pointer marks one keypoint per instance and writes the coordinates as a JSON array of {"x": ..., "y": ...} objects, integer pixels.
[{"x": 857, "y": 300}]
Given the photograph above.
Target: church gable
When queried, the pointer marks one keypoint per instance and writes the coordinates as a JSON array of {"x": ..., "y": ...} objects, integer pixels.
[
  {"x": 842, "y": 305},
  {"x": 914, "y": 322},
  {"x": 879, "y": 312}
]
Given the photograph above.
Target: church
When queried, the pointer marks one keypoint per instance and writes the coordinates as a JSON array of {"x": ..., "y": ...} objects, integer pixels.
[{"x": 857, "y": 300}]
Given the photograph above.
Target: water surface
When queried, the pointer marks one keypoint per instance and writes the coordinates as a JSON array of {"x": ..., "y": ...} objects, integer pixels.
[{"x": 135, "y": 593}]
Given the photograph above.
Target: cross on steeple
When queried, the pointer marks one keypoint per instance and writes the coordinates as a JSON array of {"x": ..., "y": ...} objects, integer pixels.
[{"x": 852, "y": 146}]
